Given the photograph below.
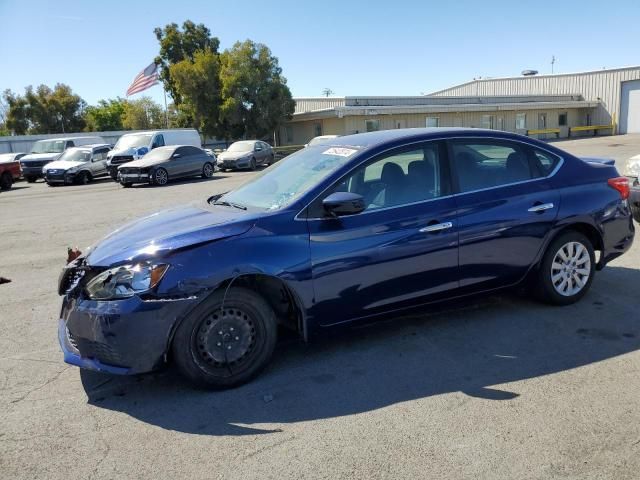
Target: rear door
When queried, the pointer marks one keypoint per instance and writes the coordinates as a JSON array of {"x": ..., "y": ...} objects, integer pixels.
[
  {"x": 194, "y": 160},
  {"x": 99, "y": 162},
  {"x": 506, "y": 207},
  {"x": 402, "y": 250}
]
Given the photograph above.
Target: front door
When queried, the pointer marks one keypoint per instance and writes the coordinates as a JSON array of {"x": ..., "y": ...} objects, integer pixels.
[
  {"x": 506, "y": 207},
  {"x": 401, "y": 250}
]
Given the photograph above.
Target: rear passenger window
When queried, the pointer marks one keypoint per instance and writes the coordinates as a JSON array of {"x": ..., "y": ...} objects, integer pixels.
[
  {"x": 487, "y": 164},
  {"x": 407, "y": 176},
  {"x": 544, "y": 163}
]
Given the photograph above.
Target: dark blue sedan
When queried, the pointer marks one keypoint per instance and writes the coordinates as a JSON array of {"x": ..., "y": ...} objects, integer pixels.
[{"x": 366, "y": 226}]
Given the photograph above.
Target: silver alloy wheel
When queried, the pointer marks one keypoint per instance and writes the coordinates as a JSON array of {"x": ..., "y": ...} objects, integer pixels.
[
  {"x": 208, "y": 170},
  {"x": 161, "y": 176},
  {"x": 570, "y": 269}
]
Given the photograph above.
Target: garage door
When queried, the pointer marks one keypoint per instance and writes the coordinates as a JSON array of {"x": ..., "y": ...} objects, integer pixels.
[{"x": 630, "y": 107}]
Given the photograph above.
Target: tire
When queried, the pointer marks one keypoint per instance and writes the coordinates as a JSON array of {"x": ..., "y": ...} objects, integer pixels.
[
  {"x": 198, "y": 347},
  {"x": 83, "y": 178},
  {"x": 270, "y": 161},
  {"x": 160, "y": 177},
  {"x": 567, "y": 269},
  {"x": 635, "y": 211},
  {"x": 252, "y": 164},
  {"x": 207, "y": 170},
  {"x": 30, "y": 179},
  {"x": 6, "y": 181}
]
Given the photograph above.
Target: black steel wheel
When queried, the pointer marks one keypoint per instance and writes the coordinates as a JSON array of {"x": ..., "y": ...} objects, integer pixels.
[
  {"x": 252, "y": 164},
  {"x": 84, "y": 178},
  {"x": 207, "y": 170},
  {"x": 227, "y": 340}
]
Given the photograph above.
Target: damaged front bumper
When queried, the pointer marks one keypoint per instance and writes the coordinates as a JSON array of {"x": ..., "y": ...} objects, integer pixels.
[{"x": 123, "y": 337}]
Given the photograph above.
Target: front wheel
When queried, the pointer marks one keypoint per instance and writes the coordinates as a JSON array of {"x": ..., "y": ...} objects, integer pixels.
[
  {"x": 207, "y": 170},
  {"x": 227, "y": 340},
  {"x": 567, "y": 269},
  {"x": 160, "y": 177},
  {"x": 6, "y": 180},
  {"x": 84, "y": 178}
]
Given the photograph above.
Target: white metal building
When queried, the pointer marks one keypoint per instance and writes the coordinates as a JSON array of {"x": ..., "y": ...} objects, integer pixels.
[{"x": 559, "y": 105}]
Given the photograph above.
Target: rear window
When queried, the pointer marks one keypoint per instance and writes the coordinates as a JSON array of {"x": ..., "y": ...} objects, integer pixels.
[{"x": 544, "y": 162}]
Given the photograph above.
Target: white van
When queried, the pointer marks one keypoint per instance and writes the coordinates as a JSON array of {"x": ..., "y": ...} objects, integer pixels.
[
  {"x": 132, "y": 146},
  {"x": 45, "y": 151}
]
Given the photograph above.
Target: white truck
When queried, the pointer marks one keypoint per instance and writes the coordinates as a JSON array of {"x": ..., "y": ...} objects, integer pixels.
[{"x": 133, "y": 146}]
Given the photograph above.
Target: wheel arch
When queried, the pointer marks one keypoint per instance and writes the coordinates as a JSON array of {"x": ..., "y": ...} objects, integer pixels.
[
  {"x": 585, "y": 228},
  {"x": 283, "y": 299}
]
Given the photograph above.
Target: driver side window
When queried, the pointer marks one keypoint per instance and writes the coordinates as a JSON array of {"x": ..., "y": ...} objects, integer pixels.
[
  {"x": 408, "y": 175},
  {"x": 158, "y": 141}
]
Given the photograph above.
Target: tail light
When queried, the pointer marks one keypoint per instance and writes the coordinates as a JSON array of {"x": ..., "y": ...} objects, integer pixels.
[{"x": 621, "y": 184}]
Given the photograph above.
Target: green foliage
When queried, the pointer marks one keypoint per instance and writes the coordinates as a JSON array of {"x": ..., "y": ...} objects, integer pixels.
[
  {"x": 197, "y": 83},
  {"x": 255, "y": 96},
  {"x": 142, "y": 114},
  {"x": 177, "y": 45},
  {"x": 107, "y": 116},
  {"x": 44, "y": 110}
]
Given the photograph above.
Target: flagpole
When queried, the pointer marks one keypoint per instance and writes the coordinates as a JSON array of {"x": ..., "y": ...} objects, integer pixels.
[{"x": 166, "y": 116}]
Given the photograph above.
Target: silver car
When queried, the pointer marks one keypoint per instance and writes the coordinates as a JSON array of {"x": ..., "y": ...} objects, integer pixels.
[
  {"x": 77, "y": 165},
  {"x": 246, "y": 154},
  {"x": 167, "y": 163}
]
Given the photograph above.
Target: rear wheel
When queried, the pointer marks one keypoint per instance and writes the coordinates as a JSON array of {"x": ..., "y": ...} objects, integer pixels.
[
  {"x": 567, "y": 269},
  {"x": 207, "y": 170},
  {"x": 160, "y": 177},
  {"x": 227, "y": 340},
  {"x": 6, "y": 180}
]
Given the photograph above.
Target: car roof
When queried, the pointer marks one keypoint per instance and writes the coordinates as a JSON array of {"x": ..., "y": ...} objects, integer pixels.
[{"x": 372, "y": 139}]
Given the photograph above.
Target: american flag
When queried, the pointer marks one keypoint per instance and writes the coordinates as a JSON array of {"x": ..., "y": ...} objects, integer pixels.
[{"x": 147, "y": 78}]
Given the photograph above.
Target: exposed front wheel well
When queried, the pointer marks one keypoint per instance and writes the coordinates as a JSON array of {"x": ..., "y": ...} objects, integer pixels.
[{"x": 277, "y": 294}]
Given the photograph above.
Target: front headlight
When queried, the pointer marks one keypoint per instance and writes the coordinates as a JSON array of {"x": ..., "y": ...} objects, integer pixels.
[{"x": 125, "y": 281}]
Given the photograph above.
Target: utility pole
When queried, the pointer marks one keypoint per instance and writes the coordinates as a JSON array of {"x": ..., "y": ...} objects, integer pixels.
[
  {"x": 553, "y": 61},
  {"x": 327, "y": 91}
]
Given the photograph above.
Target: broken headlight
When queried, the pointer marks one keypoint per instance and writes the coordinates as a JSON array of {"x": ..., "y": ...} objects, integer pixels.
[{"x": 125, "y": 281}]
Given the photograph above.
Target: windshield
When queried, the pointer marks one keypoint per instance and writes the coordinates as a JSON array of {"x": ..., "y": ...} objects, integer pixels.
[
  {"x": 159, "y": 154},
  {"x": 241, "y": 147},
  {"x": 287, "y": 180},
  {"x": 133, "y": 141},
  {"x": 48, "y": 146},
  {"x": 73, "y": 155}
]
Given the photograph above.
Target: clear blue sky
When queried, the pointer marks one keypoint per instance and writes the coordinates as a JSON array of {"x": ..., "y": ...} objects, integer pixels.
[{"x": 353, "y": 47}]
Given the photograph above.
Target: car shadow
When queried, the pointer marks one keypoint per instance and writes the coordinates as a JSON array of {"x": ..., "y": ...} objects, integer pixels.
[
  {"x": 14, "y": 187},
  {"x": 182, "y": 181},
  {"x": 471, "y": 347}
]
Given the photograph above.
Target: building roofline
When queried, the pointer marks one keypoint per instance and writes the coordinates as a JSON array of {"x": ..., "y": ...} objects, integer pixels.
[{"x": 545, "y": 75}]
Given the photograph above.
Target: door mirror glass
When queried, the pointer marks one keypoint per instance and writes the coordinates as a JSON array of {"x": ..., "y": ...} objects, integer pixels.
[
  {"x": 176, "y": 155},
  {"x": 343, "y": 203}
]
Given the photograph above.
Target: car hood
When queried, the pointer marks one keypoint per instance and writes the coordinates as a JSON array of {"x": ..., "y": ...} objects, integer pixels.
[
  {"x": 144, "y": 162},
  {"x": 40, "y": 156},
  {"x": 62, "y": 165},
  {"x": 233, "y": 155},
  {"x": 168, "y": 230}
]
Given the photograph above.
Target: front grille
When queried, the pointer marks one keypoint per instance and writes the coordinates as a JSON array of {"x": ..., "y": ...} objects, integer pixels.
[
  {"x": 54, "y": 175},
  {"x": 35, "y": 163},
  {"x": 99, "y": 351},
  {"x": 121, "y": 159},
  {"x": 134, "y": 171}
]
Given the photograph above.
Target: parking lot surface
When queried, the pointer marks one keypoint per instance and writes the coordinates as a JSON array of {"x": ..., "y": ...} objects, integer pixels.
[{"x": 493, "y": 387}]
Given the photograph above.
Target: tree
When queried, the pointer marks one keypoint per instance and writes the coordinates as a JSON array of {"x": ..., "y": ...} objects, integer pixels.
[
  {"x": 16, "y": 117},
  {"x": 142, "y": 114},
  {"x": 54, "y": 111},
  {"x": 327, "y": 91},
  {"x": 108, "y": 115},
  {"x": 177, "y": 45},
  {"x": 255, "y": 96},
  {"x": 197, "y": 83}
]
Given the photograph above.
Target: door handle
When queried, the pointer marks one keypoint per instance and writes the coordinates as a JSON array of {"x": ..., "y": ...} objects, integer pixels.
[
  {"x": 540, "y": 208},
  {"x": 438, "y": 227}
]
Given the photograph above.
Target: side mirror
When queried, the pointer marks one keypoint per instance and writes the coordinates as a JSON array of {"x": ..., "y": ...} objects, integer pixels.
[
  {"x": 343, "y": 203},
  {"x": 175, "y": 155}
]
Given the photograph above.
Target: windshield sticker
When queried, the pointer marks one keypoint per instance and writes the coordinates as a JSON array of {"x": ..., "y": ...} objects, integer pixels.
[{"x": 339, "y": 151}]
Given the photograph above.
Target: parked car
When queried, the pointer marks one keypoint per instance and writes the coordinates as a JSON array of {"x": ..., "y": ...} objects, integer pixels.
[
  {"x": 371, "y": 225},
  {"x": 321, "y": 139},
  {"x": 246, "y": 154},
  {"x": 45, "y": 151},
  {"x": 634, "y": 201},
  {"x": 167, "y": 163},
  {"x": 78, "y": 165},
  {"x": 9, "y": 169},
  {"x": 133, "y": 146}
]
